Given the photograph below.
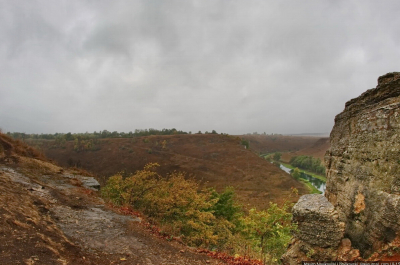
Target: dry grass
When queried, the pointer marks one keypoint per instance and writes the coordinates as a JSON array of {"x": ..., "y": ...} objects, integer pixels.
[
  {"x": 214, "y": 160},
  {"x": 316, "y": 150},
  {"x": 17, "y": 147},
  {"x": 279, "y": 143},
  {"x": 37, "y": 166}
]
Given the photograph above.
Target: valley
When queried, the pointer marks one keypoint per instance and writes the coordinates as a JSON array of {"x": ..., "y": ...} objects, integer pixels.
[{"x": 212, "y": 159}]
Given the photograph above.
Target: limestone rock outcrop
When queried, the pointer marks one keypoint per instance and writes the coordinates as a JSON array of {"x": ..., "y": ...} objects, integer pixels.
[
  {"x": 318, "y": 221},
  {"x": 363, "y": 184},
  {"x": 319, "y": 230}
]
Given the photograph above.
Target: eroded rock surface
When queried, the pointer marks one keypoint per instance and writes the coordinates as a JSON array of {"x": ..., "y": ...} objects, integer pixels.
[
  {"x": 54, "y": 218},
  {"x": 363, "y": 183},
  {"x": 319, "y": 232},
  {"x": 318, "y": 220}
]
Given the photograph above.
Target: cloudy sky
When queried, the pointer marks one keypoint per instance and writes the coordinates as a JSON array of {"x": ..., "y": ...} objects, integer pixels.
[{"x": 233, "y": 66}]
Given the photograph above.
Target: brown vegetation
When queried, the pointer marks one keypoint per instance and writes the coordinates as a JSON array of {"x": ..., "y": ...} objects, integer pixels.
[
  {"x": 316, "y": 150},
  {"x": 215, "y": 160},
  {"x": 264, "y": 144},
  {"x": 47, "y": 217},
  {"x": 9, "y": 148}
]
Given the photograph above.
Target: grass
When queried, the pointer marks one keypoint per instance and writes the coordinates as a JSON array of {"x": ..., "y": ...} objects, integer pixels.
[
  {"x": 320, "y": 177},
  {"x": 310, "y": 186}
]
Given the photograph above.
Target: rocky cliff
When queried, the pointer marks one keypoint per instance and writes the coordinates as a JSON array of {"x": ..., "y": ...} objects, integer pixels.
[{"x": 362, "y": 200}]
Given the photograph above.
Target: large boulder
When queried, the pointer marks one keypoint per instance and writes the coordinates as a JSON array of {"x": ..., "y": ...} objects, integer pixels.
[
  {"x": 318, "y": 221},
  {"x": 319, "y": 230}
]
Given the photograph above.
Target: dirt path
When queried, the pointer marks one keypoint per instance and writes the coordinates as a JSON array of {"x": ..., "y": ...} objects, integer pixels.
[{"x": 54, "y": 219}]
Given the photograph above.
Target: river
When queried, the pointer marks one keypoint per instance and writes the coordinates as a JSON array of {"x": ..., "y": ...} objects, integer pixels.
[{"x": 317, "y": 183}]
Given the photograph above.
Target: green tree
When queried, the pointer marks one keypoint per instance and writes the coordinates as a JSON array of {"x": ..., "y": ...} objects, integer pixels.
[
  {"x": 225, "y": 205},
  {"x": 296, "y": 173},
  {"x": 277, "y": 156},
  {"x": 245, "y": 143},
  {"x": 269, "y": 231},
  {"x": 69, "y": 137},
  {"x": 308, "y": 163}
]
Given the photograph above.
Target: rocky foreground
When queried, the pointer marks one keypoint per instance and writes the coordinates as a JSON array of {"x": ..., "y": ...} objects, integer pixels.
[
  {"x": 359, "y": 217},
  {"x": 50, "y": 215}
]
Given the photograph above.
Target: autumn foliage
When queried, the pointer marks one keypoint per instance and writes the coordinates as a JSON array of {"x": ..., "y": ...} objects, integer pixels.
[{"x": 203, "y": 218}]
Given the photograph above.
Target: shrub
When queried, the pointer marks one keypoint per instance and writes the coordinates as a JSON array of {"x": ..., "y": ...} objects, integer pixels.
[
  {"x": 225, "y": 205},
  {"x": 203, "y": 218},
  {"x": 173, "y": 202},
  {"x": 114, "y": 189},
  {"x": 269, "y": 231}
]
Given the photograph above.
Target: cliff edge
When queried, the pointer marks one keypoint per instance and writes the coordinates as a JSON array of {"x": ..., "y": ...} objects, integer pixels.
[{"x": 362, "y": 199}]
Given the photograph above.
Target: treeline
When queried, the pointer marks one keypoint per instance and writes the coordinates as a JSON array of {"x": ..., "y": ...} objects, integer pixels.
[
  {"x": 203, "y": 218},
  {"x": 101, "y": 134},
  {"x": 308, "y": 163}
]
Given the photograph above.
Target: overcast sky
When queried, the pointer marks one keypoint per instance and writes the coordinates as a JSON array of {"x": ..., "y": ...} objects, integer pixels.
[{"x": 233, "y": 66}]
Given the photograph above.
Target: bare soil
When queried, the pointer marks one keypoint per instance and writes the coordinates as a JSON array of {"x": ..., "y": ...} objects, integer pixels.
[{"x": 47, "y": 217}]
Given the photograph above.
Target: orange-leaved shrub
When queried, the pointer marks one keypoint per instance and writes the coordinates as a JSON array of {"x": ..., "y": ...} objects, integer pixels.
[{"x": 202, "y": 218}]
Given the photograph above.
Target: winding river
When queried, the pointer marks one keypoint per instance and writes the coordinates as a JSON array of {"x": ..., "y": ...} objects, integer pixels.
[{"x": 317, "y": 183}]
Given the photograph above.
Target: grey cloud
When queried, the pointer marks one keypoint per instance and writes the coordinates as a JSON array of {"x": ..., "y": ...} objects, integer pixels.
[{"x": 233, "y": 66}]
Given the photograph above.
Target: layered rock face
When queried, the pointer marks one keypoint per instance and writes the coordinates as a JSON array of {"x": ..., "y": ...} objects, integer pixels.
[{"x": 363, "y": 184}]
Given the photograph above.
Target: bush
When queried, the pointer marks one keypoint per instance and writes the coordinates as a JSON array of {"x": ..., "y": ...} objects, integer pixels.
[
  {"x": 225, "y": 206},
  {"x": 269, "y": 231},
  {"x": 172, "y": 202},
  {"x": 203, "y": 218}
]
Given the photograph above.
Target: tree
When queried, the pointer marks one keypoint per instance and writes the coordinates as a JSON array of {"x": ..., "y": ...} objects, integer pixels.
[
  {"x": 296, "y": 173},
  {"x": 308, "y": 163},
  {"x": 269, "y": 231},
  {"x": 225, "y": 205},
  {"x": 69, "y": 137},
  {"x": 245, "y": 143},
  {"x": 277, "y": 156}
]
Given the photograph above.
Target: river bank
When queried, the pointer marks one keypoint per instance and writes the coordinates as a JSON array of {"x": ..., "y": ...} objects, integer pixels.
[
  {"x": 316, "y": 183},
  {"x": 320, "y": 177}
]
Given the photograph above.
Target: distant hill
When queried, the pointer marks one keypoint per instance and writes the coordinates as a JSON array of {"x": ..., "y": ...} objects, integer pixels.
[
  {"x": 278, "y": 143},
  {"x": 215, "y": 160},
  {"x": 316, "y": 150},
  {"x": 326, "y": 134},
  {"x": 289, "y": 145}
]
